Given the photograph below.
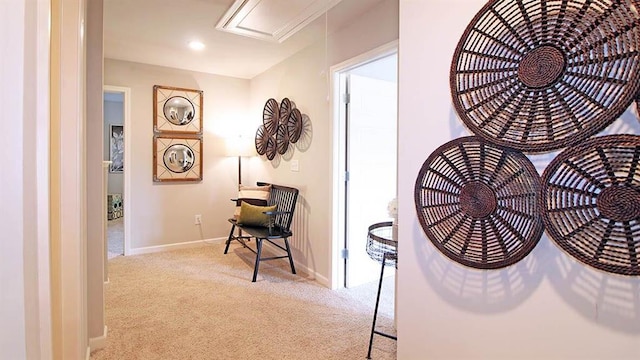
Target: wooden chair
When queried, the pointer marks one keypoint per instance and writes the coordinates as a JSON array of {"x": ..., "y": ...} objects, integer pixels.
[{"x": 279, "y": 228}]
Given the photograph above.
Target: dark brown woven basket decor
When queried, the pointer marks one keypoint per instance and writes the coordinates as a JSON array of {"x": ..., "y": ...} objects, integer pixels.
[
  {"x": 294, "y": 125},
  {"x": 270, "y": 116},
  {"x": 591, "y": 202},
  {"x": 261, "y": 140},
  {"x": 282, "y": 139},
  {"x": 285, "y": 110},
  {"x": 477, "y": 203},
  {"x": 541, "y": 75},
  {"x": 271, "y": 147}
]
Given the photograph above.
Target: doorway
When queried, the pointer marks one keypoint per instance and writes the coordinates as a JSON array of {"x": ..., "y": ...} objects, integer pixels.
[
  {"x": 365, "y": 159},
  {"x": 117, "y": 133}
]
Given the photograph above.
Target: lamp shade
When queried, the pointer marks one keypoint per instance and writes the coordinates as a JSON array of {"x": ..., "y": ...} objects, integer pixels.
[{"x": 240, "y": 146}]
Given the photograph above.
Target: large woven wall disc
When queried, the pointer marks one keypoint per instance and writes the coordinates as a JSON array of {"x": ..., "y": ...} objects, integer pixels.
[
  {"x": 270, "y": 116},
  {"x": 262, "y": 136},
  {"x": 541, "y": 75},
  {"x": 294, "y": 125},
  {"x": 591, "y": 202},
  {"x": 285, "y": 110},
  {"x": 477, "y": 203}
]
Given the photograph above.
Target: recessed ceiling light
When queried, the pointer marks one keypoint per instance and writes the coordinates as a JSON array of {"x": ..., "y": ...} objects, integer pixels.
[{"x": 196, "y": 45}]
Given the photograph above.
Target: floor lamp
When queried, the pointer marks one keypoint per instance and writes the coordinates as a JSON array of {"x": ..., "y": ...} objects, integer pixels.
[{"x": 241, "y": 147}]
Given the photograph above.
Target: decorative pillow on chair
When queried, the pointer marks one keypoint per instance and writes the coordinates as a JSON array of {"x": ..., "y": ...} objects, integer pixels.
[
  {"x": 255, "y": 195},
  {"x": 252, "y": 215}
]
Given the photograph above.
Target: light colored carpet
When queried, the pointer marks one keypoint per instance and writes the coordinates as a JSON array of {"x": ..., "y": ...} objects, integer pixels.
[
  {"x": 115, "y": 238},
  {"x": 200, "y": 304}
]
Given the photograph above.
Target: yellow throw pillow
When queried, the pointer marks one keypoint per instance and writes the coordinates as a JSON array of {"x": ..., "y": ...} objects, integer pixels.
[{"x": 252, "y": 215}]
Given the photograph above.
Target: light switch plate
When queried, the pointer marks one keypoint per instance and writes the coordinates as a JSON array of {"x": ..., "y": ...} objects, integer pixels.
[{"x": 295, "y": 166}]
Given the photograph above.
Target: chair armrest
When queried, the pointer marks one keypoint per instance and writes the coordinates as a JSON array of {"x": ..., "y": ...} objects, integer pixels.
[{"x": 271, "y": 214}]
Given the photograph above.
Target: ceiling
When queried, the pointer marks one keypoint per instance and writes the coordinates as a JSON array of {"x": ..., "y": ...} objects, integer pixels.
[{"x": 257, "y": 36}]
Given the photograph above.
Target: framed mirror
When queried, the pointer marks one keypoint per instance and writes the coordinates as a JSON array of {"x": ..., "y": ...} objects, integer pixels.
[
  {"x": 177, "y": 110},
  {"x": 177, "y": 158}
]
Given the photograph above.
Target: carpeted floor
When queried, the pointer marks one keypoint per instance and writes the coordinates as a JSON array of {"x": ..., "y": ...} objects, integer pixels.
[
  {"x": 200, "y": 304},
  {"x": 115, "y": 238}
]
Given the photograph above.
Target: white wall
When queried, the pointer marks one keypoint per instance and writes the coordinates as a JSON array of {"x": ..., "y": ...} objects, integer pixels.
[
  {"x": 303, "y": 79},
  {"x": 547, "y": 306},
  {"x": 13, "y": 279},
  {"x": 163, "y": 213},
  {"x": 69, "y": 212},
  {"x": 94, "y": 171},
  {"x": 25, "y": 312}
]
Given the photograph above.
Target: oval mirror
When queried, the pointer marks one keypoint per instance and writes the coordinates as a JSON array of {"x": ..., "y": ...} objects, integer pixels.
[
  {"x": 178, "y": 158},
  {"x": 179, "y": 110}
]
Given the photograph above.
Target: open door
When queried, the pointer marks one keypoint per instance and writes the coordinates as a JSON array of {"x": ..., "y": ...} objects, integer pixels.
[{"x": 371, "y": 161}]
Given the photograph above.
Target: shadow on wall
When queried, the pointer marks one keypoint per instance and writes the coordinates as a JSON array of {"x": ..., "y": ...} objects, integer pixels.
[
  {"x": 303, "y": 144},
  {"x": 456, "y": 126},
  {"x": 480, "y": 291},
  {"x": 301, "y": 247},
  {"x": 306, "y": 136},
  {"x": 607, "y": 299}
]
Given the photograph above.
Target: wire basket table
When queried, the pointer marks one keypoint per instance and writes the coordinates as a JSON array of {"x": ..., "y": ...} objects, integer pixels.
[{"x": 381, "y": 247}]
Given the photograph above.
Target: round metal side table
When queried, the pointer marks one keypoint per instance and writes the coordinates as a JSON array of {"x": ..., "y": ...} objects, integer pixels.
[{"x": 381, "y": 247}]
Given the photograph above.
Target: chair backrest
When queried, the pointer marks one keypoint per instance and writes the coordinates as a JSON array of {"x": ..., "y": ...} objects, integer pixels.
[{"x": 285, "y": 197}]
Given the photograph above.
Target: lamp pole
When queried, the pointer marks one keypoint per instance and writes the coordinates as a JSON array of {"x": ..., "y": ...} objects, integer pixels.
[
  {"x": 239, "y": 169},
  {"x": 239, "y": 147}
]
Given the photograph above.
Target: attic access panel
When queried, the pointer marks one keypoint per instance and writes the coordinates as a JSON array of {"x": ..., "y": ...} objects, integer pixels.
[{"x": 272, "y": 20}]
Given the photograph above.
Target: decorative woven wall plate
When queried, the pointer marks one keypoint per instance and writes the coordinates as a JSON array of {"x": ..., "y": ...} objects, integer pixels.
[
  {"x": 591, "y": 202},
  {"x": 294, "y": 125},
  {"x": 477, "y": 203},
  {"x": 261, "y": 140},
  {"x": 638, "y": 106},
  {"x": 270, "y": 148},
  {"x": 285, "y": 110},
  {"x": 282, "y": 139},
  {"x": 270, "y": 116},
  {"x": 541, "y": 75}
]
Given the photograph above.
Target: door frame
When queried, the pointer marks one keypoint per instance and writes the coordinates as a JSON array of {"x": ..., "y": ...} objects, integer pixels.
[
  {"x": 126, "y": 107},
  {"x": 338, "y": 160}
]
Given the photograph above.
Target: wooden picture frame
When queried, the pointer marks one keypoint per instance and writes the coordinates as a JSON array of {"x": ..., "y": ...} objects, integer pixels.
[
  {"x": 116, "y": 148},
  {"x": 177, "y": 158},
  {"x": 177, "y": 110}
]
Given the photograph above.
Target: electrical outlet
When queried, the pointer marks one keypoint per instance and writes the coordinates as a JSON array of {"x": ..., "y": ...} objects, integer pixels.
[
  {"x": 198, "y": 219},
  {"x": 295, "y": 166}
]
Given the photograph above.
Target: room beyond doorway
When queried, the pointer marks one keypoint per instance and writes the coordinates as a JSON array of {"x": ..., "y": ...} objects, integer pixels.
[
  {"x": 117, "y": 104},
  {"x": 364, "y": 161}
]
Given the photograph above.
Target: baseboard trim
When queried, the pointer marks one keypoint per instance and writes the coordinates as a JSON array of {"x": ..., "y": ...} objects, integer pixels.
[
  {"x": 175, "y": 246},
  {"x": 98, "y": 342},
  {"x": 199, "y": 243},
  {"x": 314, "y": 275}
]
